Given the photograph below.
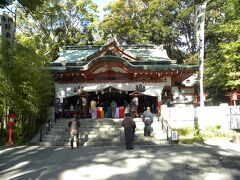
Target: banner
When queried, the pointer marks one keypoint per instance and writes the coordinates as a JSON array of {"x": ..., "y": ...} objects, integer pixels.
[
  {"x": 200, "y": 22},
  {"x": 67, "y": 90},
  {"x": 7, "y": 27}
]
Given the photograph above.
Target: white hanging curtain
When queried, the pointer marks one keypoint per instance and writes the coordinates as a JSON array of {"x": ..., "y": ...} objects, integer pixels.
[{"x": 67, "y": 90}]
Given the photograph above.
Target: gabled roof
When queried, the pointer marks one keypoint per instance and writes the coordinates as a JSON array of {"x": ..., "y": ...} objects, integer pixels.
[
  {"x": 147, "y": 57},
  {"x": 80, "y": 54}
]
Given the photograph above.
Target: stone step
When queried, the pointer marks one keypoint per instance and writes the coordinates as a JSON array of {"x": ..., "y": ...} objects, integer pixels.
[
  {"x": 105, "y": 131},
  {"x": 61, "y": 143},
  {"x": 58, "y": 132},
  {"x": 102, "y": 132},
  {"x": 55, "y": 139},
  {"x": 88, "y": 143},
  {"x": 90, "y": 136},
  {"x": 96, "y": 137},
  {"x": 104, "y": 143},
  {"x": 100, "y": 128},
  {"x": 101, "y": 121},
  {"x": 105, "y": 134},
  {"x": 99, "y": 124},
  {"x": 105, "y": 120},
  {"x": 89, "y": 125}
]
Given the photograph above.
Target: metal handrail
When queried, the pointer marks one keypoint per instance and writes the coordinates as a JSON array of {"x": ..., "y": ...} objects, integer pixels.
[
  {"x": 166, "y": 127},
  {"x": 45, "y": 128}
]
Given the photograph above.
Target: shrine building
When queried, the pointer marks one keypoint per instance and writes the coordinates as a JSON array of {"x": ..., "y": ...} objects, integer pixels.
[{"x": 114, "y": 72}]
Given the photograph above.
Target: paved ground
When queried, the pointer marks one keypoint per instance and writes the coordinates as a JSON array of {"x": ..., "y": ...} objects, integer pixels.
[{"x": 214, "y": 160}]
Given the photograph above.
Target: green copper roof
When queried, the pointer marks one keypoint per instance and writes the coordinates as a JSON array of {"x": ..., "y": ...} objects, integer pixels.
[
  {"x": 75, "y": 55},
  {"x": 147, "y": 57},
  {"x": 153, "y": 66},
  {"x": 149, "y": 53},
  {"x": 84, "y": 54}
]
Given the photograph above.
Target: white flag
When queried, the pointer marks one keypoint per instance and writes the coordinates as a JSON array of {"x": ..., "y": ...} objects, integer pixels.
[{"x": 200, "y": 22}]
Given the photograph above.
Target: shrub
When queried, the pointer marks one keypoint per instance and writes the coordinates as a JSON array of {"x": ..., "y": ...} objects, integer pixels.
[{"x": 194, "y": 134}]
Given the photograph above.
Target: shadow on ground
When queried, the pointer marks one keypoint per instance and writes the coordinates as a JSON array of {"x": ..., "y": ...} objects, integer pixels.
[{"x": 198, "y": 161}]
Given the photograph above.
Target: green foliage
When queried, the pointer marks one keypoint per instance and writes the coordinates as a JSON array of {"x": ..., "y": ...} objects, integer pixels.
[
  {"x": 26, "y": 87},
  {"x": 31, "y": 5},
  {"x": 31, "y": 92},
  {"x": 193, "y": 134},
  {"x": 56, "y": 24},
  {"x": 168, "y": 22},
  {"x": 184, "y": 131},
  {"x": 172, "y": 23},
  {"x": 28, "y": 5},
  {"x": 222, "y": 62},
  {"x": 192, "y": 140},
  {"x": 4, "y": 137},
  {"x": 4, "y": 3}
]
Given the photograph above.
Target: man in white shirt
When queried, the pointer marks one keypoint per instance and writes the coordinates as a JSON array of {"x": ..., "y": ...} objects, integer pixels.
[{"x": 93, "y": 104}]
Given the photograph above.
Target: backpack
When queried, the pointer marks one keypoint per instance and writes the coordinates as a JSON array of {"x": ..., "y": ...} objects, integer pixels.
[{"x": 147, "y": 120}]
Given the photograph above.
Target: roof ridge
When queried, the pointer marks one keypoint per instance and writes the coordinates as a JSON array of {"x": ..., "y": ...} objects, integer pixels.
[
  {"x": 82, "y": 47},
  {"x": 77, "y": 47}
]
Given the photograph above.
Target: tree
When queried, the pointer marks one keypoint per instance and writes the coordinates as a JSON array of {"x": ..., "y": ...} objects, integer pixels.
[
  {"x": 167, "y": 22},
  {"x": 222, "y": 63},
  {"x": 28, "y": 5},
  {"x": 59, "y": 23},
  {"x": 26, "y": 87}
]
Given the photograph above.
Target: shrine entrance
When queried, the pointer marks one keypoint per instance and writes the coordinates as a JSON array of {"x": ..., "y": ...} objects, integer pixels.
[{"x": 103, "y": 100}]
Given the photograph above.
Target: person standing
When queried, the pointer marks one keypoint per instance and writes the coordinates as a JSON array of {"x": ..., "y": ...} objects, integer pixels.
[
  {"x": 113, "y": 105},
  {"x": 79, "y": 107},
  {"x": 134, "y": 107},
  {"x": 106, "y": 109},
  {"x": 66, "y": 109},
  {"x": 74, "y": 124},
  {"x": 129, "y": 129},
  {"x": 84, "y": 106},
  {"x": 147, "y": 120},
  {"x": 58, "y": 108},
  {"x": 126, "y": 107},
  {"x": 93, "y": 104}
]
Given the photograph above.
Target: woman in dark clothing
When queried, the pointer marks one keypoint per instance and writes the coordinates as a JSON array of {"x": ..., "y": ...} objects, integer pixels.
[{"x": 129, "y": 129}]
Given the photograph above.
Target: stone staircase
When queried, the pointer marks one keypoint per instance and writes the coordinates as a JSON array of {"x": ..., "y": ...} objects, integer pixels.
[{"x": 103, "y": 132}]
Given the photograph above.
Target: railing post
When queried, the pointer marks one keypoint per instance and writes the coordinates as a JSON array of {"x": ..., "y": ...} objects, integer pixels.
[
  {"x": 167, "y": 133},
  {"x": 162, "y": 123},
  {"x": 49, "y": 125},
  {"x": 40, "y": 139}
]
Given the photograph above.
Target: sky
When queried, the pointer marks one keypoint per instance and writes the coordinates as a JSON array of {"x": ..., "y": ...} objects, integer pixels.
[{"x": 101, "y": 4}]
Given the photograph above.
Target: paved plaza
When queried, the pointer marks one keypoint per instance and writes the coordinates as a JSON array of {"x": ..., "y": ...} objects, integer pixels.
[{"x": 216, "y": 159}]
